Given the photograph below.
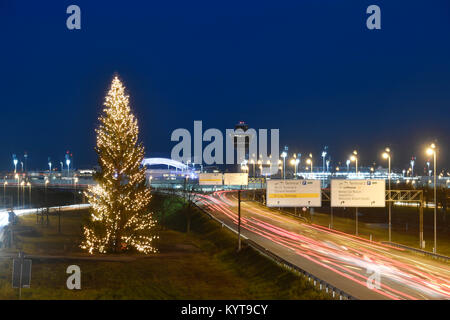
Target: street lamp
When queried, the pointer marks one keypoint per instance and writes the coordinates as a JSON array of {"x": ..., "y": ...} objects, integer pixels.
[
  {"x": 354, "y": 157},
  {"x": 46, "y": 183},
  {"x": 387, "y": 155},
  {"x": 280, "y": 166},
  {"x": 15, "y": 161},
  {"x": 23, "y": 193},
  {"x": 432, "y": 151},
  {"x": 29, "y": 192},
  {"x": 324, "y": 154},
  {"x": 68, "y": 166},
  {"x": 18, "y": 189},
  {"x": 348, "y": 166},
  {"x": 75, "y": 181},
  {"x": 4, "y": 191},
  {"x": 310, "y": 162},
  {"x": 295, "y": 163},
  {"x": 284, "y": 155},
  {"x": 49, "y": 168}
]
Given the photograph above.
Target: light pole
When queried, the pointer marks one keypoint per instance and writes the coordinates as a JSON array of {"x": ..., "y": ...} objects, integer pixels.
[
  {"x": 50, "y": 169},
  {"x": 348, "y": 166},
  {"x": 432, "y": 151},
  {"x": 310, "y": 163},
  {"x": 23, "y": 193},
  {"x": 284, "y": 155},
  {"x": 412, "y": 166},
  {"x": 15, "y": 161},
  {"x": 68, "y": 166},
  {"x": 324, "y": 154},
  {"x": 299, "y": 161},
  {"x": 387, "y": 155},
  {"x": 354, "y": 157},
  {"x": 46, "y": 183},
  {"x": 29, "y": 193},
  {"x": 280, "y": 167},
  {"x": 75, "y": 181},
  {"x": 62, "y": 166},
  {"x": 18, "y": 189},
  {"x": 295, "y": 163},
  {"x": 4, "y": 191}
]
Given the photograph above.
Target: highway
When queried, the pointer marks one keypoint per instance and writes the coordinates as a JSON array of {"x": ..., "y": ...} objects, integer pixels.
[{"x": 343, "y": 260}]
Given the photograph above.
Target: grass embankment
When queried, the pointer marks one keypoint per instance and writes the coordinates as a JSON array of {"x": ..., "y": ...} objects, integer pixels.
[{"x": 200, "y": 265}]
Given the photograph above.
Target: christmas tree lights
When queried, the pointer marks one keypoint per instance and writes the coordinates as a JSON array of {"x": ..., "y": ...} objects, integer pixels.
[{"x": 120, "y": 219}]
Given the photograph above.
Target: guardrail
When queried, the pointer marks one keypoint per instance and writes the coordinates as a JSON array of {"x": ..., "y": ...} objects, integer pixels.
[
  {"x": 427, "y": 253},
  {"x": 318, "y": 283}
]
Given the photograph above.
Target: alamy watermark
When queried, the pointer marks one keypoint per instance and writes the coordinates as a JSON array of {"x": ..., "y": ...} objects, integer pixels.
[{"x": 250, "y": 145}]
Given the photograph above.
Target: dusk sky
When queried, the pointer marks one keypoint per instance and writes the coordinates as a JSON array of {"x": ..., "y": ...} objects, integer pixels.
[{"x": 308, "y": 67}]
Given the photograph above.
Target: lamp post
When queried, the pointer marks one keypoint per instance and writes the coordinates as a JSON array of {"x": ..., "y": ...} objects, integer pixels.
[
  {"x": 29, "y": 193},
  {"x": 49, "y": 169},
  {"x": 284, "y": 155},
  {"x": 387, "y": 155},
  {"x": 310, "y": 163},
  {"x": 46, "y": 183},
  {"x": 280, "y": 167},
  {"x": 432, "y": 151},
  {"x": 299, "y": 161},
  {"x": 15, "y": 161},
  {"x": 348, "y": 166},
  {"x": 354, "y": 157},
  {"x": 295, "y": 163},
  {"x": 4, "y": 191},
  {"x": 68, "y": 166},
  {"x": 23, "y": 193},
  {"x": 75, "y": 181},
  {"x": 324, "y": 154},
  {"x": 18, "y": 189}
]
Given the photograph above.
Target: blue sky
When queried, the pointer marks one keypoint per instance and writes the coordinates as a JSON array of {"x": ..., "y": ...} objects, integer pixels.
[{"x": 310, "y": 68}]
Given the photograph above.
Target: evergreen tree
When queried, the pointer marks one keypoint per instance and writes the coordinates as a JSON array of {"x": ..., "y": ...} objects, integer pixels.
[{"x": 120, "y": 218}]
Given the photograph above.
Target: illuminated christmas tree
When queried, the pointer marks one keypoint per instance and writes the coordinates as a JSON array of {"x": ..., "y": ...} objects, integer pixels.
[{"x": 120, "y": 219}]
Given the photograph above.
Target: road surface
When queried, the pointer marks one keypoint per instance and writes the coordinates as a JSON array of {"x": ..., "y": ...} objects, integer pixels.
[{"x": 345, "y": 261}]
